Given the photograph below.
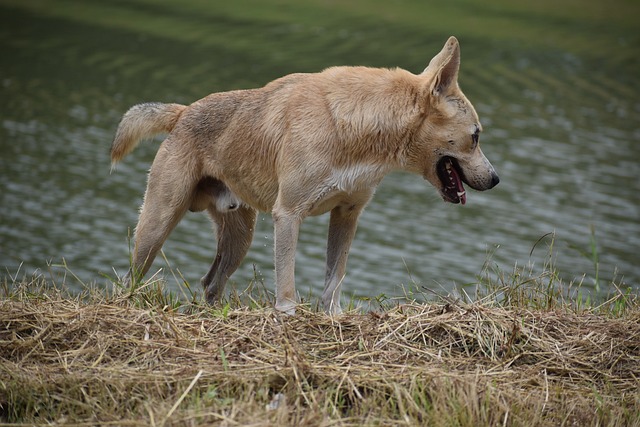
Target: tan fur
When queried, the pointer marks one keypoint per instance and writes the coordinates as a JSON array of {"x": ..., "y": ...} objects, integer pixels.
[
  {"x": 143, "y": 121},
  {"x": 304, "y": 144}
]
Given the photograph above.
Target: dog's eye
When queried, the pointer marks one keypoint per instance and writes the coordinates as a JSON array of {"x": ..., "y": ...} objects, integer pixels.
[{"x": 474, "y": 138}]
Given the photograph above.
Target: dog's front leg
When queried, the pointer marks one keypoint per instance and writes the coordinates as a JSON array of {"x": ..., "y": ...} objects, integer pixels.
[
  {"x": 342, "y": 228},
  {"x": 286, "y": 227}
]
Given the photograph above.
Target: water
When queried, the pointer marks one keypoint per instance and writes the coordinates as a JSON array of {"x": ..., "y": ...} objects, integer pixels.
[{"x": 559, "y": 104}]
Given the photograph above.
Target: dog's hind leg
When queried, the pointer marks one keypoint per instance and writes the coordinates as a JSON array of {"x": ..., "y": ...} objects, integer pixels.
[
  {"x": 342, "y": 229},
  {"x": 169, "y": 192},
  {"x": 235, "y": 233}
]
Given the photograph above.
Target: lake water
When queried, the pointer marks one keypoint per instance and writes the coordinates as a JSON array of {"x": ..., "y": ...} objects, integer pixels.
[{"x": 556, "y": 88}]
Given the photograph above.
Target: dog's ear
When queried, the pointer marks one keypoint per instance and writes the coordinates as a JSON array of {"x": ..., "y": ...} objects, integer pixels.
[{"x": 442, "y": 71}]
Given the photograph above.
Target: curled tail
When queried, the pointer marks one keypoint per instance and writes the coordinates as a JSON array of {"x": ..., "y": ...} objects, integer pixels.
[{"x": 143, "y": 121}]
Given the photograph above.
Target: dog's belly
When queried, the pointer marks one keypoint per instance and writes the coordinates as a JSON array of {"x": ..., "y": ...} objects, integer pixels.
[{"x": 259, "y": 196}]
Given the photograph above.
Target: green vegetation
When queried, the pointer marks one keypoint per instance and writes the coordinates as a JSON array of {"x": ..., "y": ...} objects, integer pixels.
[{"x": 519, "y": 353}]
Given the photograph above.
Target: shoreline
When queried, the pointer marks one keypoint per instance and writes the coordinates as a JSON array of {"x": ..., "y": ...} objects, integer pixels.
[{"x": 144, "y": 357}]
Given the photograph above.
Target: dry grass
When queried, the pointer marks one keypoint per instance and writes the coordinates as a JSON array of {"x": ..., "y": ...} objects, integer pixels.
[{"x": 139, "y": 358}]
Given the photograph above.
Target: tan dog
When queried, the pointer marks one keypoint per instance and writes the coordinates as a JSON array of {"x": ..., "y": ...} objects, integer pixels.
[{"x": 304, "y": 144}]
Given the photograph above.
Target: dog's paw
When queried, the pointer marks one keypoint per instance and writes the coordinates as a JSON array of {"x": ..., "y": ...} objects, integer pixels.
[
  {"x": 333, "y": 309},
  {"x": 287, "y": 307}
]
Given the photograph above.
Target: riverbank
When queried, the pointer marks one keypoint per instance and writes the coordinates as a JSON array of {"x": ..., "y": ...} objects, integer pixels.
[{"x": 144, "y": 357}]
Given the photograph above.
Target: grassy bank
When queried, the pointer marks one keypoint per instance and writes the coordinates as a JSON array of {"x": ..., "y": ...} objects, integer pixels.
[{"x": 144, "y": 357}]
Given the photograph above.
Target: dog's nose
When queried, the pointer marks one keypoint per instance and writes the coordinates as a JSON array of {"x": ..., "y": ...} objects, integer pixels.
[{"x": 495, "y": 179}]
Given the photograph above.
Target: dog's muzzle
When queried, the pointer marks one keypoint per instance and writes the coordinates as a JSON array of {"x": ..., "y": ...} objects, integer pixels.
[{"x": 452, "y": 179}]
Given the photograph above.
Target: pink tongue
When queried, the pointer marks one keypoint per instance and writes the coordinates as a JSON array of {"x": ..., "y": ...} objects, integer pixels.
[{"x": 462, "y": 195}]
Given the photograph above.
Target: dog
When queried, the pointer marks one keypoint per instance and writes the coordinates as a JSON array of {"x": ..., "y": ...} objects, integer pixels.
[{"x": 304, "y": 144}]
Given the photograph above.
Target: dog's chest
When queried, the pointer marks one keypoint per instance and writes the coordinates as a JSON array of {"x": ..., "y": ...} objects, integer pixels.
[{"x": 357, "y": 177}]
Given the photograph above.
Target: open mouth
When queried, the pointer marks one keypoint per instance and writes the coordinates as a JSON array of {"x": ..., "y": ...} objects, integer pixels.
[{"x": 451, "y": 178}]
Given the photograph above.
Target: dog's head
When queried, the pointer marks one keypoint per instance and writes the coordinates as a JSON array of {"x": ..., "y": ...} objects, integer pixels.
[{"x": 446, "y": 145}]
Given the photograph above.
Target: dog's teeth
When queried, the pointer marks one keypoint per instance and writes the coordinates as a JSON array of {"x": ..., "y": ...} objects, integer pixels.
[{"x": 461, "y": 193}]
